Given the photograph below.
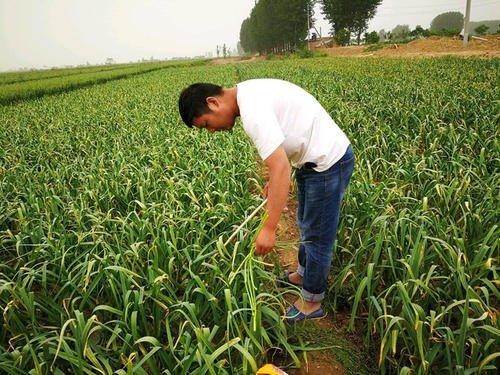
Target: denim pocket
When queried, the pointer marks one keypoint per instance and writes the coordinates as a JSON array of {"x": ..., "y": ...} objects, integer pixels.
[
  {"x": 348, "y": 156},
  {"x": 344, "y": 162}
]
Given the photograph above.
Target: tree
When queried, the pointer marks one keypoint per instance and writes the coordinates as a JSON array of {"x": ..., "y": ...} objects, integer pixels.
[
  {"x": 352, "y": 15},
  {"x": 372, "y": 38},
  {"x": 400, "y": 32},
  {"x": 448, "y": 22},
  {"x": 382, "y": 35},
  {"x": 419, "y": 31},
  {"x": 224, "y": 50},
  {"x": 481, "y": 29},
  {"x": 343, "y": 37},
  {"x": 218, "y": 51},
  {"x": 276, "y": 25},
  {"x": 239, "y": 49},
  {"x": 246, "y": 39}
]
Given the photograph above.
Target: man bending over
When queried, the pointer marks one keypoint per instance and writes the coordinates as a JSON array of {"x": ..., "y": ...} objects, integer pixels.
[{"x": 287, "y": 125}]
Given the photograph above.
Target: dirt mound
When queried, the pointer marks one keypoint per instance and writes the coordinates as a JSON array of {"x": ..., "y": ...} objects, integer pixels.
[{"x": 433, "y": 46}]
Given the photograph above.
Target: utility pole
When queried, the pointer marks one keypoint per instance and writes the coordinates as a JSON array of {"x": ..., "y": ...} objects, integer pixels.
[{"x": 466, "y": 23}]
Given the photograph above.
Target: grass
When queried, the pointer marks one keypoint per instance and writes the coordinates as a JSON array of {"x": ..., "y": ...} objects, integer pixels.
[
  {"x": 113, "y": 218},
  {"x": 374, "y": 47},
  {"x": 354, "y": 358}
]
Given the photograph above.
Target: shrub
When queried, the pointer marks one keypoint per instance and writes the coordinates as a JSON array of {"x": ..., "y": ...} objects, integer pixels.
[
  {"x": 400, "y": 32},
  {"x": 305, "y": 53},
  {"x": 372, "y": 38},
  {"x": 419, "y": 31},
  {"x": 446, "y": 32},
  {"x": 373, "y": 47},
  {"x": 481, "y": 29},
  {"x": 342, "y": 37}
]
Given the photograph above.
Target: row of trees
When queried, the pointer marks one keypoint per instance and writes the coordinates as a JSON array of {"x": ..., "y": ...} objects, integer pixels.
[
  {"x": 276, "y": 26},
  {"x": 282, "y": 25}
]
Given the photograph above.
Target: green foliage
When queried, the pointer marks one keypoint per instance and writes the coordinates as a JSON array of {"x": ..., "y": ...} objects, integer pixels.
[
  {"x": 400, "y": 32},
  {"x": 493, "y": 25},
  {"x": 113, "y": 219},
  {"x": 372, "y": 38},
  {"x": 23, "y": 76},
  {"x": 447, "y": 21},
  {"x": 343, "y": 37},
  {"x": 305, "y": 53},
  {"x": 419, "y": 31},
  {"x": 446, "y": 32},
  {"x": 37, "y": 84},
  {"x": 276, "y": 26},
  {"x": 415, "y": 264},
  {"x": 352, "y": 15},
  {"x": 481, "y": 29},
  {"x": 374, "y": 47}
]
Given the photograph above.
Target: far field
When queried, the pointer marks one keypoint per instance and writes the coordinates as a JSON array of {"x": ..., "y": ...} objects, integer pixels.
[{"x": 114, "y": 217}]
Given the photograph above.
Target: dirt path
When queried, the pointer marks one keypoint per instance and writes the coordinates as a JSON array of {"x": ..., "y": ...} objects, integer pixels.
[
  {"x": 346, "y": 354},
  {"x": 318, "y": 362}
]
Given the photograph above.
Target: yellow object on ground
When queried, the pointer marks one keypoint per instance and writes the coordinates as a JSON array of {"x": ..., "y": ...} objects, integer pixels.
[{"x": 269, "y": 369}]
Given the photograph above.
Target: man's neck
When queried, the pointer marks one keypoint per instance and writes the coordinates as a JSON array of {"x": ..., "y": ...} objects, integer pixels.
[{"x": 231, "y": 96}]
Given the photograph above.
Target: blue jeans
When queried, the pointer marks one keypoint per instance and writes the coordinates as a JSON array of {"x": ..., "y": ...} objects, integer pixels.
[{"x": 320, "y": 196}]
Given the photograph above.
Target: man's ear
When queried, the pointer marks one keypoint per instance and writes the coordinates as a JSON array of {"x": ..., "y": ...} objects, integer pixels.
[{"x": 212, "y": 103}]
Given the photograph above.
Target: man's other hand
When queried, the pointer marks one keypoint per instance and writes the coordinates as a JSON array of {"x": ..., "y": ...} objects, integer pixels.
[{"x": 265, "y": 241}]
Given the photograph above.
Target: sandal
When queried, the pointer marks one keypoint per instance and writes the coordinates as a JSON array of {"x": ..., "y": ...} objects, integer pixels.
[
  {"x": 286, "y": 279},
  {"x": 295, "y": 315}
]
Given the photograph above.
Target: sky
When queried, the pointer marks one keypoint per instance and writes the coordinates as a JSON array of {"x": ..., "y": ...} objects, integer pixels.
[{"x": 47, "y": 33}]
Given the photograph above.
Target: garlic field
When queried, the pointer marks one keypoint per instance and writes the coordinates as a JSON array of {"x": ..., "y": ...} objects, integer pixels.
[{"x": 114, "y": 217}]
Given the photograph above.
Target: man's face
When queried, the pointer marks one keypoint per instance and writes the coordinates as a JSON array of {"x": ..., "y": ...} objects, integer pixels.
[{"x": 220, "y": 117}]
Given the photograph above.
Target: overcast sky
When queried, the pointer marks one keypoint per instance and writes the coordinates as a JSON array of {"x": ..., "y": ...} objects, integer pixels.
[{"x": 46, "y": 33}]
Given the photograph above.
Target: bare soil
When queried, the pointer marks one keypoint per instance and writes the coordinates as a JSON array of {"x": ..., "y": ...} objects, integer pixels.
[
  {"x": 321, "y": 362},
  {"x": 236, "y": 60},
  {"x": 318, "y": 362},
  {"x": 428, "y": 47}
]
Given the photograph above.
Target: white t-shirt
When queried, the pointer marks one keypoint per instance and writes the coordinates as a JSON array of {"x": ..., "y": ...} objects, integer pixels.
[{"x": 276, "y": 112}]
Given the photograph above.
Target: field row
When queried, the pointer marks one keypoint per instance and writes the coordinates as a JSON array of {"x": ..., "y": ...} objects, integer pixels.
[{"x": 33, "y": 85}]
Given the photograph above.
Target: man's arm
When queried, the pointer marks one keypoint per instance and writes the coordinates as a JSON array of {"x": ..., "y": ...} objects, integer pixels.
[{"x": 277, "y": 195}]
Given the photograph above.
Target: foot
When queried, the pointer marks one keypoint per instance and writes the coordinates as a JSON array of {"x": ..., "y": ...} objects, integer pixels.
[
  {"x": 295, "y": 278},
  {"x": 306, "y": 307},
  {"x": 302, "y": 310}
]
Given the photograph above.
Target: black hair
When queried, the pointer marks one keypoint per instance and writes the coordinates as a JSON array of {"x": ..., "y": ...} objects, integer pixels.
[{"x": 193, "y": 101}]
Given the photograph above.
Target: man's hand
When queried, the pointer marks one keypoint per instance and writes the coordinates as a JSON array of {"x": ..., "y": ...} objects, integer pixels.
[{"x": 265, "y": 241}]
